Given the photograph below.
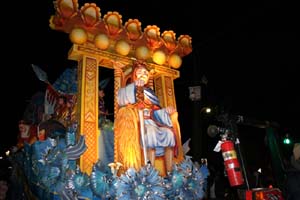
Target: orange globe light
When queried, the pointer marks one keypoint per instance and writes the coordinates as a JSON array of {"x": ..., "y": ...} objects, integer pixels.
[
  {"x": 159, "y": 57},
  {"x": 122, "y": 48},
  {"x": 175, "y": 61},
  {"x": 101, "y": 41},
  {"x": 78, "y": 36},
  {"x": 142, "y": 53}
]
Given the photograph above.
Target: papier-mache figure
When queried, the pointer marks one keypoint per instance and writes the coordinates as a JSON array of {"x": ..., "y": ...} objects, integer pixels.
[{"x": 156, "y": 136}]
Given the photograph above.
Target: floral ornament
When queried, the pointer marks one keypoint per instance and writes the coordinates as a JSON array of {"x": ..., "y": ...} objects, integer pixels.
[
  {"x": 185, "y": 181},
  {"x": 78, "y": 181},
  {"x": 40, "y": 155},
  {"x": 102, "y": 182},
  {"x": 145, "y": 184},
  {"x": 174, "y": 182},
  {"x": 196, "y": 184},
  {"x": 51, "y": 165},
  {"x": 49, "y": 176}
]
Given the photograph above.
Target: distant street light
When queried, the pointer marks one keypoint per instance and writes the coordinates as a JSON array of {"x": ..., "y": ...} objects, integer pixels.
[
  {"x": 207, "y": 110},
  {"x": 287, "y": 140}
]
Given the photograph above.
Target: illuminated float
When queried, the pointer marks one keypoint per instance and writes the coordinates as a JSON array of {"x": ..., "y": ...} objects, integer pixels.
[{"x": 72, "y": 167}]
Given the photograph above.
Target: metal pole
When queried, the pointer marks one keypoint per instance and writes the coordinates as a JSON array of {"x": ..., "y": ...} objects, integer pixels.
[
  {"x": 142, "y": 128},
  {"x": 140, "y": 106},
  {"x": 237, "y": 143}
]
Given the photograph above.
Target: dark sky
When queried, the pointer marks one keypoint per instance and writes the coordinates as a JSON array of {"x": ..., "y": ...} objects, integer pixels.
[{"x": 248, "y": 51}]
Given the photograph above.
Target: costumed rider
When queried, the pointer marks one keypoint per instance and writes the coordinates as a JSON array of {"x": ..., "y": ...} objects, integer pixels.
[
  {"x": 27, "y": 133},
  {"x": 103, "y": 112}
]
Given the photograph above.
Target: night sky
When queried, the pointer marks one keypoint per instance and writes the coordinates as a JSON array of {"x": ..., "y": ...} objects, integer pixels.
[{"x": 249, "y": 53}]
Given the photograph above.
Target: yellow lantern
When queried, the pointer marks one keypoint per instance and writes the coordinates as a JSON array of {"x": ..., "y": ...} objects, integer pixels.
[
  {"x": 122, "y": 47},
  {"x": 175, "y": 61},
  {"x": 78, "y": 36},
  {"x": 142, "y": 53},
  {"x": 101, "y": 41},
  {"x": 159, "y": 57}
]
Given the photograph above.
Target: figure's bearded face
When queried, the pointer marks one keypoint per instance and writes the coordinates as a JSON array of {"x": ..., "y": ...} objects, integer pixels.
[{"x": 142, "y": 74}]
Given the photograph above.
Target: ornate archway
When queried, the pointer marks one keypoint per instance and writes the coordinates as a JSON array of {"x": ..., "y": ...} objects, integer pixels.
[{"x": 99, "y": 41}]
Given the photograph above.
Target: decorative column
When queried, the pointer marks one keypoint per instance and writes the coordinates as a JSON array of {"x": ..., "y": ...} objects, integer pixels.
[
  {"x": 164, "y": 88},
  {"x": 117, "y": 85},
  {"x": 88, "y": 109}
]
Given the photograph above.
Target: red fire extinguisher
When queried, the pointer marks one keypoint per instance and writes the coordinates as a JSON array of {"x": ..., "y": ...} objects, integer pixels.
[{"x": 232, "y": 165}]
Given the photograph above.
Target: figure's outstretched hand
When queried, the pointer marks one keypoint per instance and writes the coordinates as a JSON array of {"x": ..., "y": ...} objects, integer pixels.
[{"x": 170, "y": 110}]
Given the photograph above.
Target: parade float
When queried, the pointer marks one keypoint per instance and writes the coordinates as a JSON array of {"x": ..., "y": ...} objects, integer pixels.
[{"x": 75, "y": 156}]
